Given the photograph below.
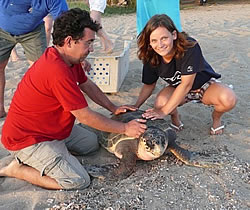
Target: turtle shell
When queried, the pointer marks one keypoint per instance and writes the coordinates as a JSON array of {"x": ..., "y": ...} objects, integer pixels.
[{"x": 110, "y": 140}]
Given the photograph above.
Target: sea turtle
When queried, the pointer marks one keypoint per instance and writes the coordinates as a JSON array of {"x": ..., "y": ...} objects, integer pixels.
[{"x": 149, "y": 146}]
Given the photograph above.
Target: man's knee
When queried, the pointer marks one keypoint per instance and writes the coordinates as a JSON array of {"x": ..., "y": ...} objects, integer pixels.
[
  {"x": 68, "y": 173},
  {"x": 75, "y": 183},
  {"x": 93, "y": 143}
]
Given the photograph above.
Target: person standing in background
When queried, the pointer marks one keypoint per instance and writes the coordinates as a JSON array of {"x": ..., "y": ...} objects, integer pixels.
[
  {"x": 145, "y": 9},
  {"x": 22, "y": 22},
  {"x": 97, "y": 7},
  {"x": 48, "y": 23}
]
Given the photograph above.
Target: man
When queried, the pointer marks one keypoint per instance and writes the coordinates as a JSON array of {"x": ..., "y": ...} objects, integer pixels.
[
  {"x": 39, "y": 129},
  {"x": 22, "y": 22}
]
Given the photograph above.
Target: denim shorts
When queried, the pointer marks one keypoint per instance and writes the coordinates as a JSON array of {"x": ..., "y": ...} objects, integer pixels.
[
  {"x": 53, "y": 159},
  {"x": 33, "y": 43}
]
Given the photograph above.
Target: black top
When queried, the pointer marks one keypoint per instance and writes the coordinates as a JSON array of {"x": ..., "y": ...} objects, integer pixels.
[{"x": 192, "y": 62}]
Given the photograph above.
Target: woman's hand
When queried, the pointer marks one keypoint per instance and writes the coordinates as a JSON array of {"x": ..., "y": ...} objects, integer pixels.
[
  {"x": 124, "y": 108},
  {"x": 153, "y": 114}
]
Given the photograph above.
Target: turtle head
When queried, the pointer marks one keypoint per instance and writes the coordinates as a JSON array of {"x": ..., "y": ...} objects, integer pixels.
[{"x": 152, "y": 144}]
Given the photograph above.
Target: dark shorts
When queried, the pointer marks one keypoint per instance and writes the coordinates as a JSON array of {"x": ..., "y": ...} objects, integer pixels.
[
  {"x": 33, "y": 43},
  {"x": 196, "y": 95}
]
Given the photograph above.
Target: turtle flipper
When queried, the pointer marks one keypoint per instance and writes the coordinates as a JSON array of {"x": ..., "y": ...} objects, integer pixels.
[
  {"x": 100, "y": 171},
  {"x": 126, "y": 166},
  {"x": 193, "y": 158},
  {"x": 113, "y": 172},
  {"x": 204, "y": 161},
  {"x": 190, "y": 158}
]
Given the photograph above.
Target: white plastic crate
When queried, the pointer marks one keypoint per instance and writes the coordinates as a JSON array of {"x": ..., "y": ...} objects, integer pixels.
[{"x": 108, "y": 72}]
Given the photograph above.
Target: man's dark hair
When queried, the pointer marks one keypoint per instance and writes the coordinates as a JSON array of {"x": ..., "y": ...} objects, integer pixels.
[{"x": 72, "y": 23}]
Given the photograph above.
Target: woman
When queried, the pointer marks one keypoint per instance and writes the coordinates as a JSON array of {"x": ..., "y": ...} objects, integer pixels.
[{"x": 177, "y": 59}]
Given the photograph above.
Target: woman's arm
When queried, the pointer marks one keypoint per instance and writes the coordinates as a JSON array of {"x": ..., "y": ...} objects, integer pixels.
[
  {"x": 177, "y": 98},
  {"x": 179, "y": 94},
  {"x": 145, "y": 93}
]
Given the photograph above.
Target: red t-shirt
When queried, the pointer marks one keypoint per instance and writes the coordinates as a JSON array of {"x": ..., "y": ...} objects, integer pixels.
[{"x": 40, "y": 108}]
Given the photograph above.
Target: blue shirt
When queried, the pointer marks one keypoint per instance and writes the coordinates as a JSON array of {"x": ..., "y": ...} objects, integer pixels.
[{"x": 19, "y": 17}]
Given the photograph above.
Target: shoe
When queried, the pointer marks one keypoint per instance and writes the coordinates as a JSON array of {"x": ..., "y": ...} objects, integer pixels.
[
  {"x": 177, "y": 128},
  {"x": 214, "y": 130}
]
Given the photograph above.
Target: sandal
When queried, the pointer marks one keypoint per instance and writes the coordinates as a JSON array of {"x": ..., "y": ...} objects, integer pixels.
[
  {"x": 214, "y": 130},
  {"x": 177, "y": 128}
]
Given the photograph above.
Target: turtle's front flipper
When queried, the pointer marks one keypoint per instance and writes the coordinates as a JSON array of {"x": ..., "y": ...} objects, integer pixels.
[
  {"x": 100, "y": 171},
  {"x": 191, "y": 158},
  {"x": 126, "y": 166}
]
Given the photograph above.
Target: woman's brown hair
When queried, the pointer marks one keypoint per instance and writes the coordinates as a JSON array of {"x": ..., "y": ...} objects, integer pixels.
[{"x": 146, "y": 52}]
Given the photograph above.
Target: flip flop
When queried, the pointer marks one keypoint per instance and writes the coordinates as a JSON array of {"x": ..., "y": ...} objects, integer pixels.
[
  {"x": 177, "y": 128},
  {"x": 214, "y": 130}
]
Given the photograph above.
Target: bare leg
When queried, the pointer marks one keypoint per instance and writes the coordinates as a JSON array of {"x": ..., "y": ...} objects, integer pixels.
[
  {"x": 29, "y": 174},
  {"x": 162, "y": 98},
  {"x": 2, "y": 86},
  {"x": 105, "y": 41},
  {"x": 222, "y": 98},
  {"x": 48, "y": 23}
]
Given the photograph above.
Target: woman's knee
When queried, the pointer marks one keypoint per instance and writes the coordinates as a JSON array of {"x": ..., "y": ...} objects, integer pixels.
[
  {"x": 228, "y": 99},
  {"x": 163, "y": 97},
  {"x": 220, "y": 96}
]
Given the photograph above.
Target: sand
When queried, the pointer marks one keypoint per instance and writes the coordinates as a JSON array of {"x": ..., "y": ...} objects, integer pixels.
[{"x": 223, "y": 32}]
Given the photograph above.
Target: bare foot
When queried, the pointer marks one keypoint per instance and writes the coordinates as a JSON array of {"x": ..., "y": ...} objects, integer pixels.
[
  {"x": 107, "y": 45},
  {"x": 6, "y": 164}
]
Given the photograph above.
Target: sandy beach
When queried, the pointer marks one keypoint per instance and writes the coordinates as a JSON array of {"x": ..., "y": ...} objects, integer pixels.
[{"x": 223, "y": 32}]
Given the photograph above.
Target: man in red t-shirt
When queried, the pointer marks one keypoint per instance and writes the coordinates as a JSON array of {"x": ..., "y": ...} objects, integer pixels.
[{"x": 39, "y": 130}]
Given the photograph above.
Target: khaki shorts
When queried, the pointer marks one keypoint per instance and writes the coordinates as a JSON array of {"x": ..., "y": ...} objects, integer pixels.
[
  {"x": 53, "y": 159},
  {"x": 33, "y": 43}
]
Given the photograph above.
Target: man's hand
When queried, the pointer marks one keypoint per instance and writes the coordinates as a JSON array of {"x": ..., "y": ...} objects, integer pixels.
[
  {"x": 86, "y": 66},
  {"x": 124, "y": 108},
  {"x": 153, "y": 114},
  {"x": 135, "y": 128}
]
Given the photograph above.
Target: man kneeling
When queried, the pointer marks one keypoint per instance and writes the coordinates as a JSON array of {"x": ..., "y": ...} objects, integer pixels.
[{"x": 39, "y": 130}]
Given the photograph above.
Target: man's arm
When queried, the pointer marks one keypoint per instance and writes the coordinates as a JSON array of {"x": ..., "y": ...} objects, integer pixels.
[
  {"x": 95, "y": 94},
  {"x": 98, "y": 121}
]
